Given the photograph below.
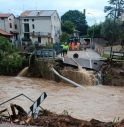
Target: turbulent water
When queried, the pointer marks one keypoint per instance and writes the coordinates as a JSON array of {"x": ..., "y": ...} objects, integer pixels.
[{"x": 100, "y": 102}]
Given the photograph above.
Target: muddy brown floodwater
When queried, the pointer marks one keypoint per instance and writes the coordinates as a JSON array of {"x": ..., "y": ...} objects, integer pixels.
[{"x": 100, "y": 102}]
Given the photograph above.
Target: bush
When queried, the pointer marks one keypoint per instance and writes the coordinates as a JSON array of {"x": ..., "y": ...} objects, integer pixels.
[
  {"x": 10, "y": 64},
  {"x": 64, "y": 37},
  {"x": 10, "y": 60}
]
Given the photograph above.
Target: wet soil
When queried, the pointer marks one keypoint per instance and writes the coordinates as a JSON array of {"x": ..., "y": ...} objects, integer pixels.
[
  {"x": 113, "y": 73},
  {"x": 49, "y": 119}
]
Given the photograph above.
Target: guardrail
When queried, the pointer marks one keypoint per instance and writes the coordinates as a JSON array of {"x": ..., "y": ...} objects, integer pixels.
[{"x": 118, "y": 54}]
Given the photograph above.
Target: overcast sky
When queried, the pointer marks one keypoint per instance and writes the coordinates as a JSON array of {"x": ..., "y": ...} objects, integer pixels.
[{"x": 94, "y": 8}]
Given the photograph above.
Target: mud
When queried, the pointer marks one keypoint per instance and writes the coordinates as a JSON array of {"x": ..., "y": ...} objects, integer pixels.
[
  {"x": 113, "y": 73},
  {"x": 48, "y": 119}
]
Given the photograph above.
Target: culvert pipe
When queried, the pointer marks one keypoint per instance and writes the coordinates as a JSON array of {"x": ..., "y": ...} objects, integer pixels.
[{"x": 66, "y": 79}]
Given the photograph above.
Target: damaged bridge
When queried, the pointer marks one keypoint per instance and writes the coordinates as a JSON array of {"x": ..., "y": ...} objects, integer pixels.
[{"x": 84, "y": 63}]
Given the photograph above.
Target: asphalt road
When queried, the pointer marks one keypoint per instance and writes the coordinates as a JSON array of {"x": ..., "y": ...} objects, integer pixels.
[
  {"x": 87, "y": 59},
  {"x": 88, "y": 54}
]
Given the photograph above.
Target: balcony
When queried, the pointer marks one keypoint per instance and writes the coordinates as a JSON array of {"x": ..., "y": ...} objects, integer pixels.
[{"x": 40, "y": 34}]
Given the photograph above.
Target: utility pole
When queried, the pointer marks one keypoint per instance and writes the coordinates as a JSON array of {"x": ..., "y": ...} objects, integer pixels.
[{"x": 92, "y": 38}]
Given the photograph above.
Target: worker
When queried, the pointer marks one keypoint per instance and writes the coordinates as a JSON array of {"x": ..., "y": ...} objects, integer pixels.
[
  {"x": 65, "y": 49},
  {"x": 61, "y": 49},
  {"x": 78, "y": 45},
  {"x": 72, "y": 45}
]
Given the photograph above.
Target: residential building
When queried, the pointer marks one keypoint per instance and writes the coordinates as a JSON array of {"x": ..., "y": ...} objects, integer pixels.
[
  {"x": 8, "y": 24},
  {"x": 122, "y": 16},
  {"x": 5, "y": 34},
  {"x": 43, "y": 26}
]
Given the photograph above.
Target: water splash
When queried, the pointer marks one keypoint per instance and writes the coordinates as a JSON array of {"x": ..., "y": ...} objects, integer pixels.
[{"x": 23, "y": 72}]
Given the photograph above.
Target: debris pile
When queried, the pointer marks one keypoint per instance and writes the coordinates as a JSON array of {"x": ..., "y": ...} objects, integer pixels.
[{"x": 46, "y": 118}]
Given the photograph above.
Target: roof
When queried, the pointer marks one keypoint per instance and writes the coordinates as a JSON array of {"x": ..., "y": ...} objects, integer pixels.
[
  {"x": 5, "y": 33},
  {"x": 4, "y": 15},
  {"x": 33, "y": 13}
]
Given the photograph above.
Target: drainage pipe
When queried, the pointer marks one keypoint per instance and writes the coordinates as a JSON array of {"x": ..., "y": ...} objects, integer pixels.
[
  {"x": 79, "y": 66},
  {"x": 66, "y": 79}
]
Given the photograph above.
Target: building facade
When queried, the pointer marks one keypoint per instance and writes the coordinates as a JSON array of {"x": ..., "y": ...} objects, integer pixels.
[
  {"x": 9, "y": 25},
  {"x": 43, "y": 26}
]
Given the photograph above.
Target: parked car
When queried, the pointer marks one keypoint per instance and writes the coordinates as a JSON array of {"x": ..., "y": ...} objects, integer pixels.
[{"x": 46, "y": 53}]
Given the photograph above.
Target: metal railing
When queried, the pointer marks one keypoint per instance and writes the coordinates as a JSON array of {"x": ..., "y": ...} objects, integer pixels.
[{"x": 17, "y": 97}]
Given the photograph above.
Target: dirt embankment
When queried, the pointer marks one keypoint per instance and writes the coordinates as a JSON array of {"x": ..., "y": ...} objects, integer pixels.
[
  {"x": 113, "y": 73},
  {"x": 54, "y": 120}
]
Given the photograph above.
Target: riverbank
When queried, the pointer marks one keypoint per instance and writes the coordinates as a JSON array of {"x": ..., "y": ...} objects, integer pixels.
[{"x": 48, "y": 119}]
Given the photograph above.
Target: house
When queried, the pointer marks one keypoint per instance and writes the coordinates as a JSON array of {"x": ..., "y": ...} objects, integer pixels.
[
  {"x": 5, "y": 34},
  {"x": 122, "y": 16},
  {"x": 8, "y": 24},
  {"x": 43, "y": 26}
]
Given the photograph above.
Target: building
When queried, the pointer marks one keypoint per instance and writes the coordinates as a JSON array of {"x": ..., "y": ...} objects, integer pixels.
[
  {"x": 43, "y": 26},
  {"x": 122, "y": 16},
  {"x": 8, "y": 25},
  {"x": 5, "y": 34}
]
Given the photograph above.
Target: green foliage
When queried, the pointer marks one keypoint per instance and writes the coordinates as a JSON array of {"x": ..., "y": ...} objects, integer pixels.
[
  {"x": 78, "y": 19},
  {"x": 68, "y": 27},
  {"x": 95, "y": 31},
  {"x": 64, "y": 37},
  {"x": 111, "y": 30},
  {"x": 48, "y": 46},
  {"x": 31, "y": 48},
  {"x": 10, "y": 61},
  {"x": 115, "y": 8},
  {"x": 4, "y": 45}
]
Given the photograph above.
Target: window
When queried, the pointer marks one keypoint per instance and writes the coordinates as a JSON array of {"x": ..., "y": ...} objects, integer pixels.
[
  {"x": 33, "y": 26},
  {"x": 26, "y": 36},
  {"x": 15, "y": 26},
  {"x": 10, "y": 25},
  {"x": 32, "y": 20},
  {"x": 2, "y": 18},
  {"x": 26, "y": 20},
  {"x": 26, "y": 27}
]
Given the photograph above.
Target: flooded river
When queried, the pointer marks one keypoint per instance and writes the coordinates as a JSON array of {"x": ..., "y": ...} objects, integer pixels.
[{"x": 100, "y": 102}]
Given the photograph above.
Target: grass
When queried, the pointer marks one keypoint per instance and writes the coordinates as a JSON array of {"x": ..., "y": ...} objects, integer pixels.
[{"x": 105, "y": 56}]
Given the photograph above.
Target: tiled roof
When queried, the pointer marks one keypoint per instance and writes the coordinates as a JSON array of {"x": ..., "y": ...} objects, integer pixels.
[
  {"x": 4, "y": 15},
  {"x": 5, "y": 33},
  {"x": 32, "y": 13}
]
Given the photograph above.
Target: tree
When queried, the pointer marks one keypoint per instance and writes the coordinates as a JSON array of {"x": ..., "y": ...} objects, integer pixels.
[
  {"x": 10, "y": 60},
  {"x": 122, "y": 35},
  {"x": 115, "y": 8},
  {"x": 78, "y": 19},
  {"x": 5, "y": 46},
  {"x": 68, "y": 27},
  {"x": 95, "y": 31},
  {"x": 64, "y": 37},
  {"x": 111, "y": 30}
]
